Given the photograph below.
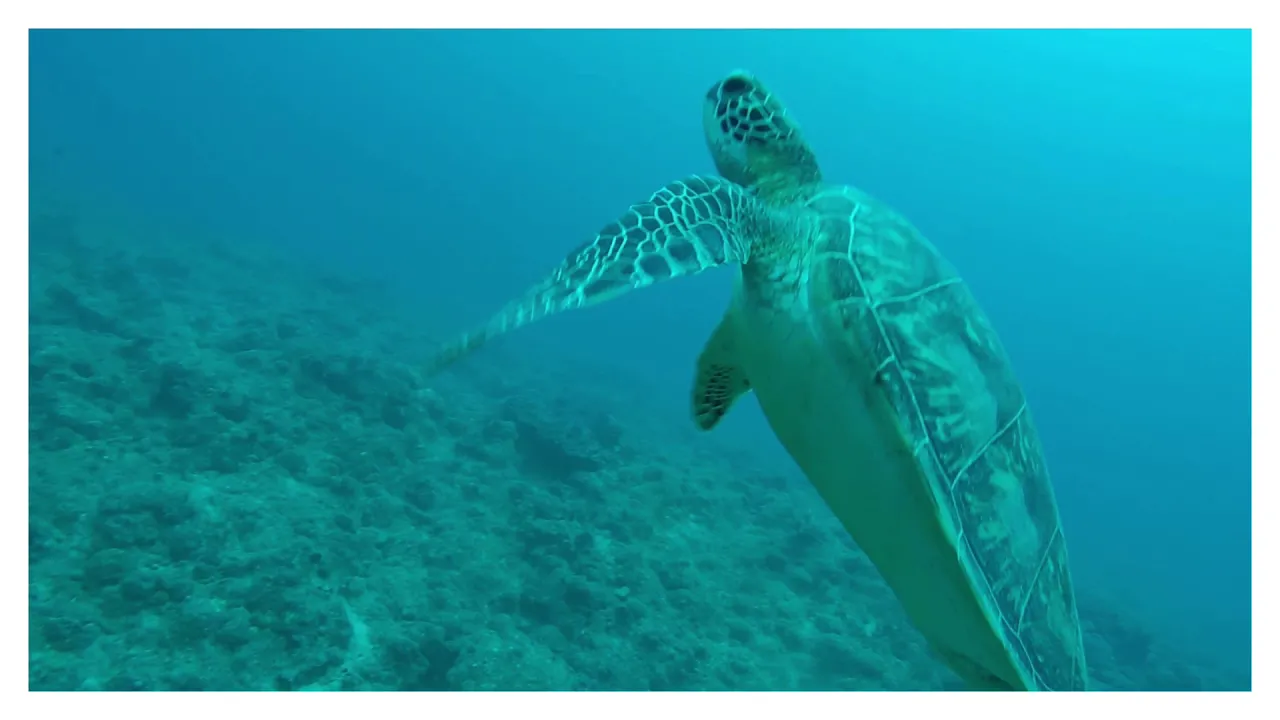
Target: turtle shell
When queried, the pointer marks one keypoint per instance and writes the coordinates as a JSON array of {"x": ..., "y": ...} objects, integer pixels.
[{"x": 958, "y": 404}]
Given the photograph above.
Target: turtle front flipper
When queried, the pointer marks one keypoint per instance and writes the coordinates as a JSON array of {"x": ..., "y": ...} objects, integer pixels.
[
  {"x": 719, "y": 379},
  {"x": 684, "y": 228}
]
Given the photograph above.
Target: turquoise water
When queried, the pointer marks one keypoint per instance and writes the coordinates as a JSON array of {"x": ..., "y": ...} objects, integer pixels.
[{"x": 244, "y": 246}]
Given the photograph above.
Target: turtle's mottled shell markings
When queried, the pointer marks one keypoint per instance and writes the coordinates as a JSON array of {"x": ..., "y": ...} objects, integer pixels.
[
  {"x": 944, "y": 371},
  {"x": 1051, "y": 619}
]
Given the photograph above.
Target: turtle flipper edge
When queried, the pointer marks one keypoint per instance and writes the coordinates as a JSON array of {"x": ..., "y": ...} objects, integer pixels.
[{"x": 684, "y": 228}]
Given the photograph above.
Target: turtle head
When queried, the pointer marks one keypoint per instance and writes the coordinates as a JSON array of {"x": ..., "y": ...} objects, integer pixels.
[{"x": 753, "y": 140}]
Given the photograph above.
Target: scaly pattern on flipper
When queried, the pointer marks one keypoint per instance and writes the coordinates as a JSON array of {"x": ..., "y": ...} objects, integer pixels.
[
  {"x": 684, "y": 228},
  {"x": 719, "y": 379}
]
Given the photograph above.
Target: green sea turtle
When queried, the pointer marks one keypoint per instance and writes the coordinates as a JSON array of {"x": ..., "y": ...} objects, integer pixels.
[{"x": 877, "y": 371}]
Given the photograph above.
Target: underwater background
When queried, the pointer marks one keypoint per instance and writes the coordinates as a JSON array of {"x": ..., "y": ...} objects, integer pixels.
[{"x": 245, "y": 245}]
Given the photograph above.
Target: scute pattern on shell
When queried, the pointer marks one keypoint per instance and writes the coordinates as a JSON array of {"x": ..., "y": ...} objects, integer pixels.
[{"x": 943, "y": 369}]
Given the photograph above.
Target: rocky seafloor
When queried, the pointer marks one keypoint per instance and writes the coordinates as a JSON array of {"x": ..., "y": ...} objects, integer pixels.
[{"x": 240, "y": 481}]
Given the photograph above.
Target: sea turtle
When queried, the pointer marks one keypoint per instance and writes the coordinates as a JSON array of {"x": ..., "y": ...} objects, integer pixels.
[{"x": 877, "y": 371}]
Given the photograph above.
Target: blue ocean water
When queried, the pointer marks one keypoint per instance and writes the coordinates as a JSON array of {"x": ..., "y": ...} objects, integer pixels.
[{"x": 371, "y": 194}]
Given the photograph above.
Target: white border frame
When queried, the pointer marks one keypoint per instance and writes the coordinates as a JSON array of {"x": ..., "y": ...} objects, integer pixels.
[{"x": 682, "y": 13}]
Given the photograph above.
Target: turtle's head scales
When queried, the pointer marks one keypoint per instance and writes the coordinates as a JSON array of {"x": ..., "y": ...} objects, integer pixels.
[{"x": 752, "y": 139}]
